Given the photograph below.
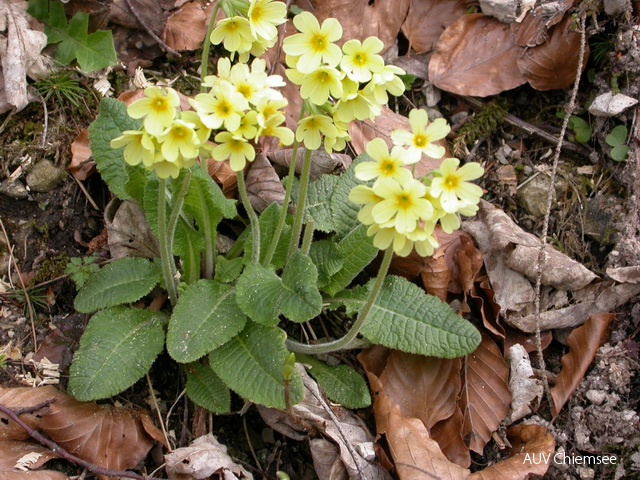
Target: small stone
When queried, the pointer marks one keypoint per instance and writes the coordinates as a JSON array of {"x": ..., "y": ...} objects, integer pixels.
[
  {"x": 616, "y": 7},
  {"x": 503, "y": 10},
  {"x": 596, "y": 396},
  {"x": 598, "y": 221},
  {"x": 610, "y": 105},
  {"x": 44, "y": 177},
  {"x": 533, "y": 194},
  {"x": 586, "y": 473},
  {"x": 13, "y": 189}
]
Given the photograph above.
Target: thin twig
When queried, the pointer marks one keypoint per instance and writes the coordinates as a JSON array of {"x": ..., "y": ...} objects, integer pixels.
[
  {"x": 86, "y": 193},
  {"x": 57, "y": 449},
  {"x": 35, "y": 408},
  {"x": 156, "y": 407},
  {"x": 147, "y": 28},
  {"x": 23, "y": 286},
  {"x": 545, "y": 228}
]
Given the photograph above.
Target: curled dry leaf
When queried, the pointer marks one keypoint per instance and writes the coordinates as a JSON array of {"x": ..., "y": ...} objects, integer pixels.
[
  {"x": 624, "y": 274},
  {"x": 583, "y": 343},
  {"x": 363, "y": 18},
  {"x": 81, "y": 165},
  {"x": 18, "y": 398},
  {"x": 203, "y": 458},
  {"x": 321, "y": 161},
  {"x": 12, "y": 450},
  {"x": 553, "y": 64},
  {"x": 263, "y": 184},
  {"x": 36, "y": 475},
  {"x": 476, "y": 56},
  {"x": 186, "y": 27},
  {"x": 526, "y": 390},
  {"x": 426, "y": 20},
  {"x": 20, "y": 48},
  {"x": 486, "y": 397},
  {"x": 315, "y": 416},
  {"x": 129, "y": 232},
  {"x": 223, "y": 175},
  {"x": 526, "y": 440}
]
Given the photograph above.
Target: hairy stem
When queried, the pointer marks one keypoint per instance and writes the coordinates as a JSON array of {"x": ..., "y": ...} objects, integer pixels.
[
  {"x": 343, "y": 342},
  {"x": 296, "y": 229},
  {"x": 206, "y": 46},
  {"x": 169, "y": 270},
  {"x": 253, "y": 218}
]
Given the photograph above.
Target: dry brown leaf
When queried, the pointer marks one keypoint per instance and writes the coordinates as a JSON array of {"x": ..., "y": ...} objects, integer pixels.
[
  {"x": 12, "y": 450},
  {"x": 526, "y": 390},
  {"x": 321, "y": 161},
  {"x": 363, "y": 18},
  {"x": 35, "y": 475},
  {"x": 326, "y": 460},
  {"x": 110, "y": 437},
  {"x": 129, "y": 232},
  {"x": 448, "y": 434},
  {"x": 81, "y": 165},
  {"x": 151, "y": 11},
  {"x": 18, "y": 398},
  {"x": 223, "y": 175},
  {"x": 533, "y": 30},
  {"x": 202, "y": 459},
  {"x": 553, "y": 64},
  {"x": 20, "y": 48},
  {"x": 526, "y": 440},
  {"x": 624, "y": 274},
  {"x": 477, "y": 56},
  {"x": 583, "y": 343},
  {"x": 263, "y": 184},
  {"x": 486, "y": 397},
  {"x": 186, "y": 27},
  {"x": 427, "y": 19}
]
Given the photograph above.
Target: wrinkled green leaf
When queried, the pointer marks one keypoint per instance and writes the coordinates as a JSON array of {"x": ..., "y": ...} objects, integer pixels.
[
  {"x": 268, "y": 224},
  {"x": 123, "y": 281},
  {"x": 118, "y": 347},
  {"x": 205, "y": 317},
  {"x": 252, "y": 364},
  {"x": 328, "y": 259},
  {"x": 228, "y": 271},
  {"x": 343, "y": 212},
  {"x": 318, "y": 205},
  {"x": 204, "y": 388}
]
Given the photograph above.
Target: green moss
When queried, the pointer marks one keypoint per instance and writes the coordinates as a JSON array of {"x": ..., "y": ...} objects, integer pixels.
[{"x": 485, "y": 122}]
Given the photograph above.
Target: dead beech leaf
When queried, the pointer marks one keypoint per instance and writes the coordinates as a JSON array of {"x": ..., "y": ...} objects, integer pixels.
[
  {"x": 486, "y": 397},
  {"x": 321, "y": 161},
  {"x": 526, "y": 440},
  {"x": 624, "y": 274},
  {"x": 24, "y": 397},
  {"x": 110, "y": 437},
  {"x": 129, "y": 232},
  {"x": 553, "y": 64},
  {"x": 263, "y": 184},
  {"x": 533, "y": 30},
  {"x": 526, "y": 390},
  {"x": 185, "y": 28},
  {"x": 223, "y": 175},
  {"x": 476, "y": 55},
  {"x": 448, "y": 434},
  {"x": 427, "y": 19},
  {"x": 12, "y": 450},
  {"x": 34, "y": 475},
  {"x": 151, "y": 12},
  {"x": 202, "y": 459},
  {"x": 583, "y": 343},
  {"x": 363, "y": 18},
  {"x": 81, "y": 165}
]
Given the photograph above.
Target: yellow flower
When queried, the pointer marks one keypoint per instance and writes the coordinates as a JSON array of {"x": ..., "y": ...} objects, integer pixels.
[
  {"x": 139, "y": 147},
  {"x": 314, "y": 44},
  {"x": 356, "y": 106},
  {"x": 248, "y": 125},
  {"x": 319, "y": 84},
  {"x": 402, "y": 204},
  {"x": 272, "y": 128},
  {"x": 310, "y": 130},
  {"x": 268, "y": 107},
  {"x": 338, "y": 142},
  {"x": 423, "y": 135},
  {"x": 202, "y": 131},
  {"x": 234, "y": 33},
  {"x": 234, "y": 148},
  {"x": 179, "y": 140},
  {"x": 452, "y": 186},
  {"x": 223, "y": 105},
  {"x": 386, "y": 81},
  {"x": 264, "y": 17},
  {"x": 166, "y": 169},
  {"x": 158, "y": 108},
  {"x": 364, "y": 195},
  {"x": 385, "y": 164},
  {"x": 361, "y": 60}
]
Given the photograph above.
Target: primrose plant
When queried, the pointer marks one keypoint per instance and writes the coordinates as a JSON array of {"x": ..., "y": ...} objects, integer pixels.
[{"x": 239, "y": 321}]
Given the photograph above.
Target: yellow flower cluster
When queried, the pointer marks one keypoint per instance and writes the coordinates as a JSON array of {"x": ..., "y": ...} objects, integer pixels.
[
  {"x": 169, "y": 139},
  {"x": 252, "y": 33},
  {"x": 402, "y": 211},
  {"x": 348, "y": 83}
]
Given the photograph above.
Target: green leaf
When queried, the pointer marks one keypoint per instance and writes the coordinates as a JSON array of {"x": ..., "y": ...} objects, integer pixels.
[
  {"x": 343, "y": 212},
  {"x": 318, "y": 205},
  {"x": 617, "y": 137},
  {"x": 342, "y": 384},
  {"x": 206, "y": 203},
  {"x": 619, "y": 153},
  {"x": 205, "y": 389},
  {"x": 122, "y": 281},
  {"x": 328, "y": 258},
  {"x": 118, "y": 347},
  {"x": 124, "y": 181},
  {"x": 228, "y": 271},
  {"x": 358, "y": 252},
  {"x": 93, "y": 51},
  {"x": 580, "y": 128},
  {"x": 268, "y": 224},
  {"x": 205, "y": 317},
  {"x": 252, "y": 365},
  {"x": 406, "y": 318},
  {"x": 262, "y": 295}
]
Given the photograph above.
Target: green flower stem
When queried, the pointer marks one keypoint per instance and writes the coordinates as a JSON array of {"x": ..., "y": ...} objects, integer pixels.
[
  {"x": 307, "y": 237},
  {"x": 166, "y": 256},
  {"x": 343, "y": 342},
  {"x": 296, "y": 229},
  {"x": 287, "y": 197},
  {"x": 206, "y": 46},
  {"x": 253, "y": 218}
]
